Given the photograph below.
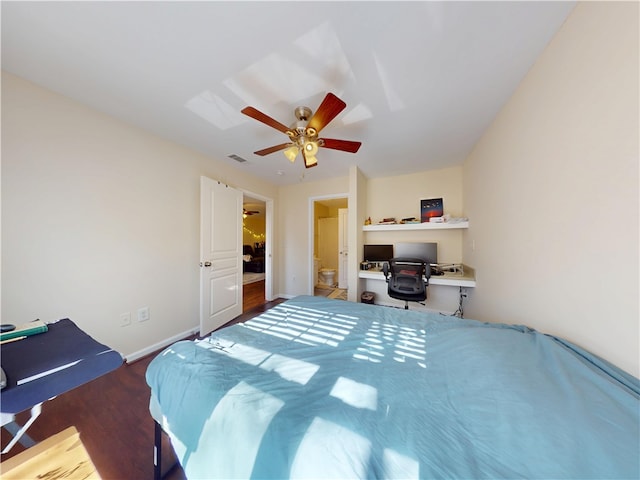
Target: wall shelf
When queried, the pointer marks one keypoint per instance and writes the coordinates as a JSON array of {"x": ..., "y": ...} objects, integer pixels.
[{"x": 415, "y": 226}]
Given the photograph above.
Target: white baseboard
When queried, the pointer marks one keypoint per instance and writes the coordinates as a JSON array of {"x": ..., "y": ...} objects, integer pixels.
[
  {"x": 180, "y": 336},
  {"x": 284, "y": 295},
  {"x": 153, "y": 348}
]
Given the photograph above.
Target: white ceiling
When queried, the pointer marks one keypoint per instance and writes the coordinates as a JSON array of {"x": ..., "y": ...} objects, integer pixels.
[{"x": 421, "y": 80}]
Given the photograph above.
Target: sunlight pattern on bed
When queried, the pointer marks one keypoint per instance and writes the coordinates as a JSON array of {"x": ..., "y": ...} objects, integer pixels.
[
  {"x": 325, "y": 388},
  {"x": 291, "y": 369}
]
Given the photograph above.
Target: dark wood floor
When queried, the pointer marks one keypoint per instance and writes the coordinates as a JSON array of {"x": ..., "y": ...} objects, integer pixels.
[
  {"x": 252, "y": 295},
  {"x": 112, "y": 415}
]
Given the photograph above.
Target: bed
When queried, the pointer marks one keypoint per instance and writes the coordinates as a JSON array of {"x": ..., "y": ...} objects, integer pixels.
[{"x": 321, "y": 388}]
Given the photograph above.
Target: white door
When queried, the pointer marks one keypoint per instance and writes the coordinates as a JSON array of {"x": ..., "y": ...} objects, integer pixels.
[
  {"x": 343, "y": 247},
  {"x": 220, "y": 254}
]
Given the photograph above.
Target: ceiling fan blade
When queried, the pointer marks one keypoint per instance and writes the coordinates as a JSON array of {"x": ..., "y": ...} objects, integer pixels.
[
  {"x": 275, "y": 148},
  {"x": 327, "y": 111},
  {"x": 266, "y": 119},
  {"x": 344, "y": 145}
]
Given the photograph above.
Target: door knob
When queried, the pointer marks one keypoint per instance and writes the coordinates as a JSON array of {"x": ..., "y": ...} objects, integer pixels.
[{"x": 206, "y": 264}]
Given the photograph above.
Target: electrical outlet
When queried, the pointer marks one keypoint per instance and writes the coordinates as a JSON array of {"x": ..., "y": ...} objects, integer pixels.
[
  {"x": 143, "y": 314},
  {"x": 125, "y": 319}
]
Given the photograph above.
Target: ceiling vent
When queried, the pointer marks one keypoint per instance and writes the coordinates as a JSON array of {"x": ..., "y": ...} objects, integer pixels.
[{"x": 237, "y": 158}]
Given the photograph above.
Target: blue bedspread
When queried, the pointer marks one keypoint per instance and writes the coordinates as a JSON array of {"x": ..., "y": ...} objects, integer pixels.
[{"x": 318, "y": 388}]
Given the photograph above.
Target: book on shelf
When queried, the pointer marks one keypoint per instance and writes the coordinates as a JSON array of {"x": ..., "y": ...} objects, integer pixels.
[
  {"x": 442, "y": 219},
  {"x": 457, "y": 220},
  {"x": 31, "y": 328}
]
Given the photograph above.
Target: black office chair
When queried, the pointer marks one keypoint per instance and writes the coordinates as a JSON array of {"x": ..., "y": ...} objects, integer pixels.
[{"x": 407, "y": 279}]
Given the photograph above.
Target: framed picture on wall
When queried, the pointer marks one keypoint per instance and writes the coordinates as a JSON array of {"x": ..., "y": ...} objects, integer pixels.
[{"x": 431, "y": 207}]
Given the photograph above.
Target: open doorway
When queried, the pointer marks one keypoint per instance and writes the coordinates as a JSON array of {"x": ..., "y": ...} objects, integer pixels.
[
  {"x": 330, "y": 250},
  {"x": 256, "y": 251}
]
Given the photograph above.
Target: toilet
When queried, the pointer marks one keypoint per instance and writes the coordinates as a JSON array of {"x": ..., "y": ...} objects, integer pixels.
[{"x": 327, "y": 276}]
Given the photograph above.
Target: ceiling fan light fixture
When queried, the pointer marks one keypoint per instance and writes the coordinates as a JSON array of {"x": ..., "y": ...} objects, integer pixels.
[
  {"x": 303, "y": 133},
  {"x": 310, "y": 161},
  {"x": 291, "y": 153},
  {"x": 311, "y": 148}
]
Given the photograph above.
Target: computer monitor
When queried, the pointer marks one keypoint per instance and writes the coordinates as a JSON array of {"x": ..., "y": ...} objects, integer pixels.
[
  {"x": 427, "y": 251},
  {"x": 378, "y": 253}
]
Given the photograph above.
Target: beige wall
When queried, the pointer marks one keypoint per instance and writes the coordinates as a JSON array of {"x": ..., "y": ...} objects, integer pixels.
[
  {"x": 295, "y": 245},
  {"x": 357, "y": 214},
  {"x": 552, "y": 191},
  {"x": 400, "y": 196},
  {"x": 98, "y": 219}
]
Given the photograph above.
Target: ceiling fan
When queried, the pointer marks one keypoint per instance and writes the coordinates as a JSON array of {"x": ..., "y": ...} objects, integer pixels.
[
  {"x": 247, "y": 213},
  {"x": 303, "y": 133}
]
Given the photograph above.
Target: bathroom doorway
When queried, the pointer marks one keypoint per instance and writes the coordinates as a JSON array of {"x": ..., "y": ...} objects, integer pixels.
[{"x": 329, "y": 247}]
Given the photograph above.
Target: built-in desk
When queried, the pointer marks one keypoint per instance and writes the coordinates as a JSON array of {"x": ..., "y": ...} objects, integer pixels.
[
  {"x": 465, "y": 279},
  {"x": 440, "y": 296}
]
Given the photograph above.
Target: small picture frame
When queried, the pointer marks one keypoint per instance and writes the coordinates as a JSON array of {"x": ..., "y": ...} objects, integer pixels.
[{"x": 431, "y": 207}]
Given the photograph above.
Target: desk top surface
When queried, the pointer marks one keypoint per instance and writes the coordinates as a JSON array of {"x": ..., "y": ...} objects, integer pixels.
[{"x": 466, "y": 279}]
